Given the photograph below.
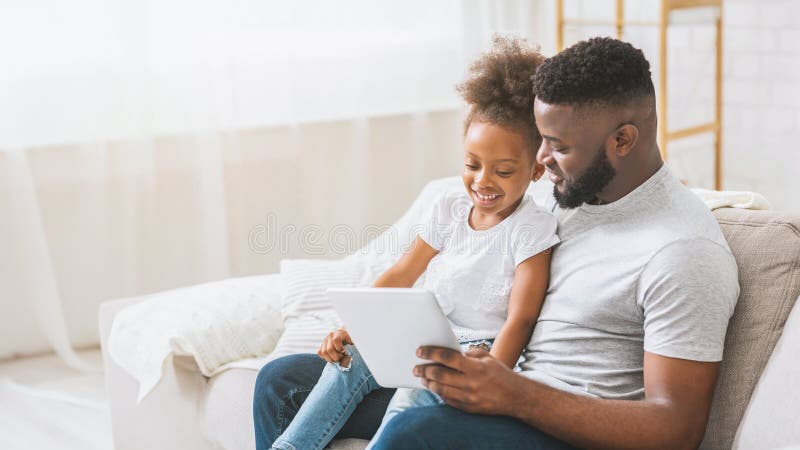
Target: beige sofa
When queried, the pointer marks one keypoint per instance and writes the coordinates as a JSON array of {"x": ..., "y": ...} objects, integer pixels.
[{"x": 756, "y": 406}]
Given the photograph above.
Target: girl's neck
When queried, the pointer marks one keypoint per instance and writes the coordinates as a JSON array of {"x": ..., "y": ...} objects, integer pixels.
[{"x": 482, "y": 222}]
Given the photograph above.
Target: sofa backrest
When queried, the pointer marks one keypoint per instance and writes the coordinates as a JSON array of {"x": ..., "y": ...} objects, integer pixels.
[{"x": 766, "y": 245}]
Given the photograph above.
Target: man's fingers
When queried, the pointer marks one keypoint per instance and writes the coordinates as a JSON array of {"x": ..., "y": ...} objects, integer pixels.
[
  {"x": 439, "y": 374},
  {"x": 450, "y": 394},
  {"x": 445, "y": 356}
]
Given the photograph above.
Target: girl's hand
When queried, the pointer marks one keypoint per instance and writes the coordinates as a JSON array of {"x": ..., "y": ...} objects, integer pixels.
[{"x": 332, "y": 348}]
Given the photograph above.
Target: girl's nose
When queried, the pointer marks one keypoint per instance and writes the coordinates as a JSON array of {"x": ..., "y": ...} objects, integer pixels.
[{"x": 483, "y": 179}]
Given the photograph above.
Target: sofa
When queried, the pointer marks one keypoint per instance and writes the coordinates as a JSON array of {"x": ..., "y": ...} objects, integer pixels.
[{"x": 756, "y": 403}]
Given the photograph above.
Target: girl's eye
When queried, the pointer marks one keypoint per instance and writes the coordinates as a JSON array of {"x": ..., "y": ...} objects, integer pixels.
[
  {"x": 505, "y": 174},
  {"x": 560, "y": 149},
  {"x": 471, "y": 166}
]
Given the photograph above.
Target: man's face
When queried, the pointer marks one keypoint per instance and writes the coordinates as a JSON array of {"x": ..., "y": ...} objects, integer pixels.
[{"x": 573, "y": 151}]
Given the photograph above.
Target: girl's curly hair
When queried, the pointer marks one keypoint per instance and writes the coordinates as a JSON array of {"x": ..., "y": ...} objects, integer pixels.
[{"x": 499, "y": 87}]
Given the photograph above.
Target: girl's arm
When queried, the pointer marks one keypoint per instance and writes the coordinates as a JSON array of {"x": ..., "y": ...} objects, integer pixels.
[
  {"x": 531, "y": 278},
  {"x": 409, "y": 267},
  {"x": 403, "y": 273}
]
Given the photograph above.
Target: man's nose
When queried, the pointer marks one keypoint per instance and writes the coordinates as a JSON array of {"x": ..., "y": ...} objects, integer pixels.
[{"x": 544, "y": 156}]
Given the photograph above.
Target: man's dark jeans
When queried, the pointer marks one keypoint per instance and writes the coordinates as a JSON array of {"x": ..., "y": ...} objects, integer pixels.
[{"x": 284, "y": 384}]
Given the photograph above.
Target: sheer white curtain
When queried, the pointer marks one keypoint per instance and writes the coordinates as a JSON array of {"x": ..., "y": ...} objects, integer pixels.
[{"x": 142, "y": 142}]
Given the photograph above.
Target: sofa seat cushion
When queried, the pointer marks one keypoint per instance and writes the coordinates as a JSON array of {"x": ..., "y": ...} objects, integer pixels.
[{"x": 766, "y": 245}]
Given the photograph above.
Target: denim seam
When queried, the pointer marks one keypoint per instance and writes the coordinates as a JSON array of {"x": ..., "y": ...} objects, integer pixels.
[
  {"x": 283, "y": 445},
  {"x": 327, "y": 437},
  {"x": 282, "y": 409}
]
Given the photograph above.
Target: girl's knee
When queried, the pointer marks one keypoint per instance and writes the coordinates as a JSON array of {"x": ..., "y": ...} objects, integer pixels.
[
  {"x": 284, "y": 374},
  {"x": 266, "y": 380}
]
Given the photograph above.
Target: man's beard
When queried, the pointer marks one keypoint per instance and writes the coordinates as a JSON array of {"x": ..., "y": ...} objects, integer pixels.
[{"x": 587, "y": 186}]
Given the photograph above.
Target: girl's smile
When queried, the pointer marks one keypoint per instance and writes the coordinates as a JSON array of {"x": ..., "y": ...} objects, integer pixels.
[{"x": 485, "y": 200}]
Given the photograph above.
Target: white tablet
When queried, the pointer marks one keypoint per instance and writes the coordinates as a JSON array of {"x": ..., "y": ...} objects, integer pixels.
[{"x": 388, "y": 325}]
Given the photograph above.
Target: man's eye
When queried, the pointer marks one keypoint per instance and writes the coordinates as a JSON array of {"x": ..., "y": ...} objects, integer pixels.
[
  {"x": 471, "y": 166},
  {"x": 560, "y": 149}
]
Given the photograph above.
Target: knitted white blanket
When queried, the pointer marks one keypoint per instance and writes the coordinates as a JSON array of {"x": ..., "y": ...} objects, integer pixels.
[
  {"x": 215, "y": 323},
  {"x": 732, "y": 199}
]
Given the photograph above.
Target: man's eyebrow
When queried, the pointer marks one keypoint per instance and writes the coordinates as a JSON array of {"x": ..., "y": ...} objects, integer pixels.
[{"x": 552, "y": 138}]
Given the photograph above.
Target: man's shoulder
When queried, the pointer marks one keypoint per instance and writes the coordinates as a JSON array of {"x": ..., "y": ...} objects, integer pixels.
[{"x": 688, "y": 216}]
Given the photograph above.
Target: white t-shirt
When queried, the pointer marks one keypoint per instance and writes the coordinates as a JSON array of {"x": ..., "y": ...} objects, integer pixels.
[
  {"x": 649, "y": 272},
  {"x": 473, "y": 272}
]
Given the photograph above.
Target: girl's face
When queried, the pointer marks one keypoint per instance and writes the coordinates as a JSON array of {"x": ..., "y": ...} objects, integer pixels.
[{"x": 498, "y": 166}]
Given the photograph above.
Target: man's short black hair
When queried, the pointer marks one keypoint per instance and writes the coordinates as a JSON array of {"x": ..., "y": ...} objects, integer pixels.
[{"x": 598, "y": 72}]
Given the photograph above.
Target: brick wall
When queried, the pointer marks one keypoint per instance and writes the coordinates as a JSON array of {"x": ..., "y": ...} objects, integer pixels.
[
  {"x": 762, "y": 99},
  {"x": 761, "y": 87}
]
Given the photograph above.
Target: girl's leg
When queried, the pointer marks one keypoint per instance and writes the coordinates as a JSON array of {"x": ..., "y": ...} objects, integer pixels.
[
  {"x": 403, "y": 399},
  {"x": 329, "y": 405}
]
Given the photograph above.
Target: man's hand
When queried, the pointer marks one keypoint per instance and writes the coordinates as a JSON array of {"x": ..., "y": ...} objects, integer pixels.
[
  {"x": 332, "y": 348},
  {"x": 474, "y": 382}
]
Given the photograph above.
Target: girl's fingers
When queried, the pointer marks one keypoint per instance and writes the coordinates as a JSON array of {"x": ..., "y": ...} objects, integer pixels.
[
  {"x": 333, "y": 354},
  {"x": 338, "y": 344}
]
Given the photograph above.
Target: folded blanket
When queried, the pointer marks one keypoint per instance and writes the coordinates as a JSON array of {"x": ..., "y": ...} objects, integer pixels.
[
  {"x": 215, "y": 323},
  {"x": 732, "y": 199}
]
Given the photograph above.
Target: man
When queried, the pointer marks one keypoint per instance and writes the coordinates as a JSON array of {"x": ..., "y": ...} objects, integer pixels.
[{"x": 626, "y": 349}]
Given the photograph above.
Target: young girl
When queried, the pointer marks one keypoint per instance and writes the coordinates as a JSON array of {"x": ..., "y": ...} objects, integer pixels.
[{"x": 486, "y": 250}]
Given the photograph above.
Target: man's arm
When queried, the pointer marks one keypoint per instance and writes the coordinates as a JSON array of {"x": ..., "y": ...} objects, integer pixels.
[{"x": 673, "y": 415}]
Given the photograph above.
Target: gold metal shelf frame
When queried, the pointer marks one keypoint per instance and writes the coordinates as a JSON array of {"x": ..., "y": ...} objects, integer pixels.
[{"x": 667, "y": 6}]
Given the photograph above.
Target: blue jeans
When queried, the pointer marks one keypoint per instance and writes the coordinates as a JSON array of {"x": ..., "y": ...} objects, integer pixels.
[{"x": 286, "y": 383}]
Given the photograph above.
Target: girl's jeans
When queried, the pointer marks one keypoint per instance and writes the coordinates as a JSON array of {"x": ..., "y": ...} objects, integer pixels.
[{"x": 335, "y": 397}]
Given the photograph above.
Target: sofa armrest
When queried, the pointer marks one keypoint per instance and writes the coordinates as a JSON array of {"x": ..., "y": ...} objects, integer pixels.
[
  {"x": 106, "y": 313},
  {"x": 168, "y": 418},
  {"x": 771, "y": 419}
]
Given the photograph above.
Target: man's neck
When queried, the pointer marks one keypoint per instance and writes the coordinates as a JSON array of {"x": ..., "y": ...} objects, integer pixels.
[{"x": 627, "y": 181}]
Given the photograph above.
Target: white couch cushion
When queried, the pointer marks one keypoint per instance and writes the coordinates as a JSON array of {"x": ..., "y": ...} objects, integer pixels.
[{"x": 772, "y": 418}]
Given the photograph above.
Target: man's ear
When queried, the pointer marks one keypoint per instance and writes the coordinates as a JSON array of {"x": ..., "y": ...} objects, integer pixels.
[
  {"x": 538, "y": 171},
  {"x": 625, "y": 139}
]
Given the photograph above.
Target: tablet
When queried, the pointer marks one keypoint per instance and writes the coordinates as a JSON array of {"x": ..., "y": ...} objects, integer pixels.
[{"x": 388, "y": 324}]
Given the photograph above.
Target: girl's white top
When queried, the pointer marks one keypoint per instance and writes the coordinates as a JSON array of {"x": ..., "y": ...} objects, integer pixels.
[{"x": 473, "y": 273}]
